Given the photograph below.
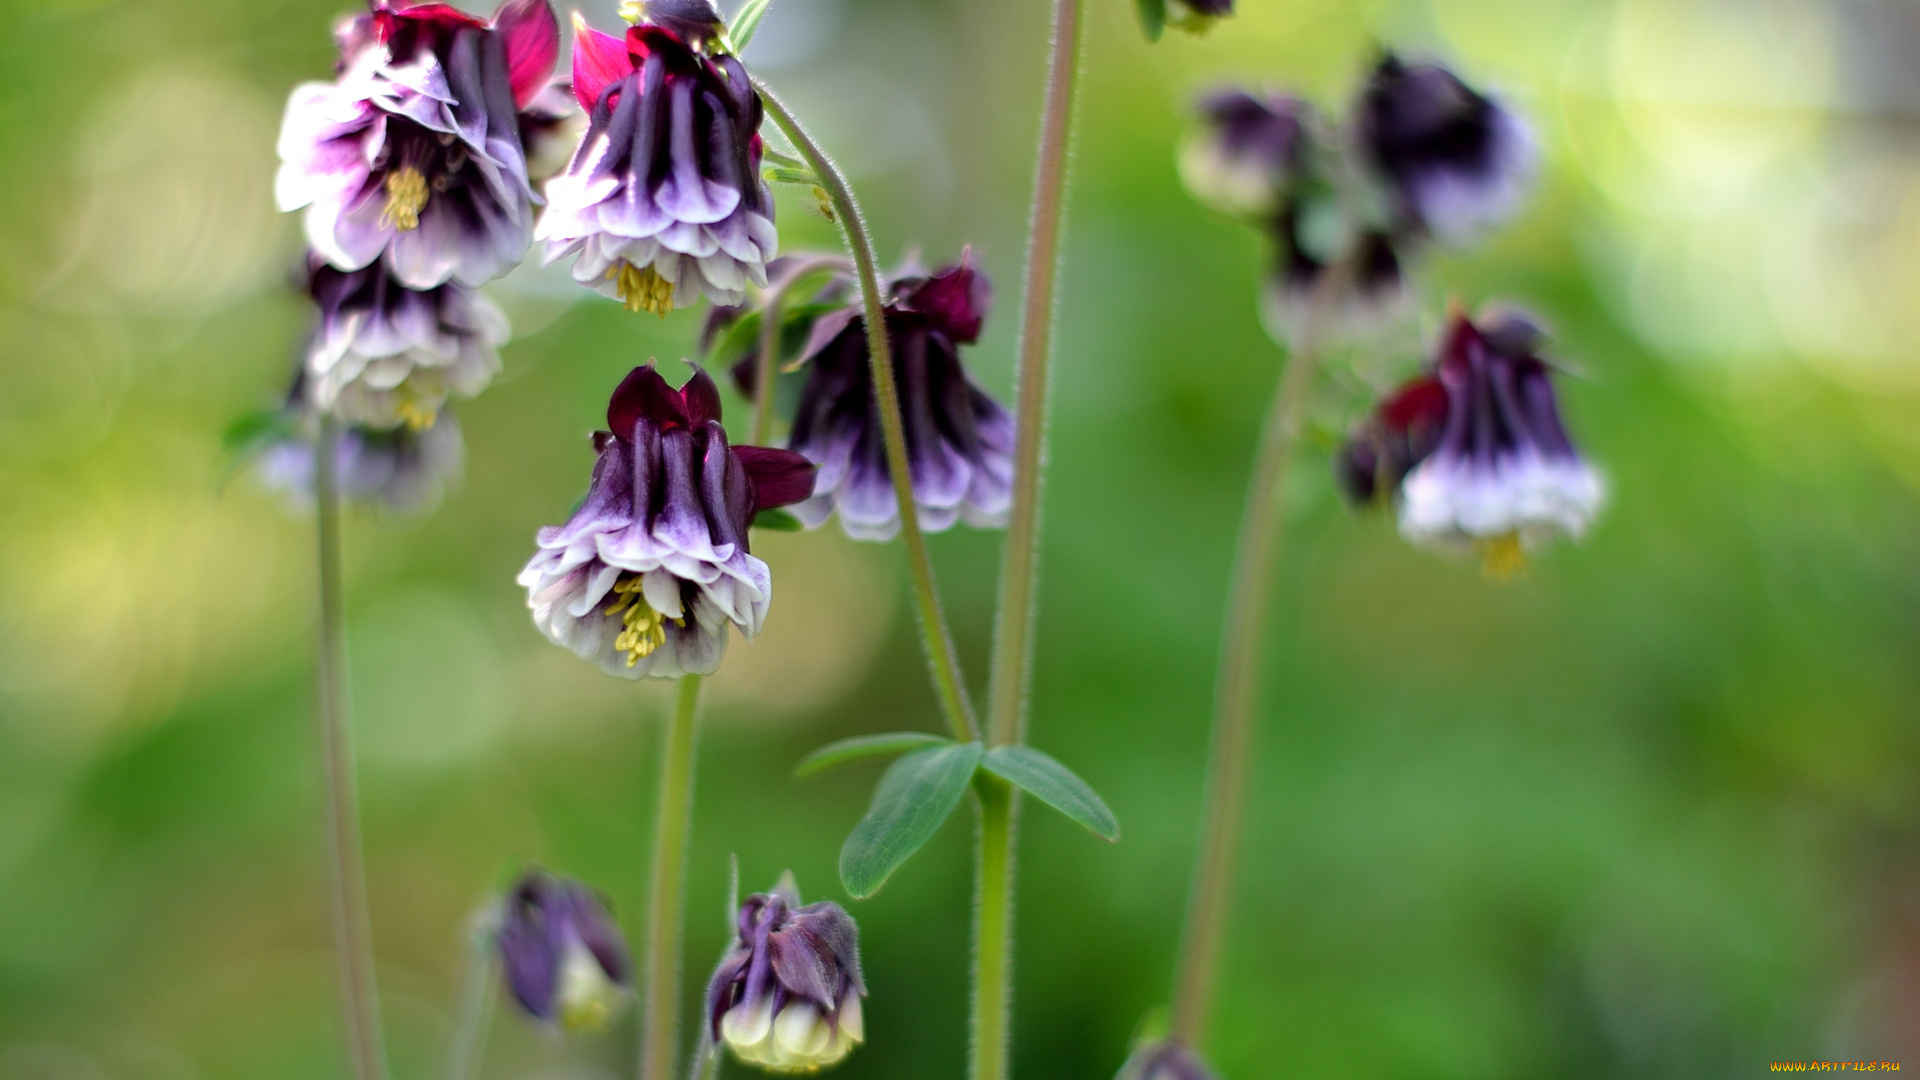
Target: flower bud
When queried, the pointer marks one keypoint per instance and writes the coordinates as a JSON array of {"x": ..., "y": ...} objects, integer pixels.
[
  {"x": 1166, "y": 1060},
  {"x": 563, "y": 955},
  {"x": 787, "y": 995}
]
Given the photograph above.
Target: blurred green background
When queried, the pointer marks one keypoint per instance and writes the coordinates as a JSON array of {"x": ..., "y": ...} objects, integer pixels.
[{"x": 1649, "y": 810}]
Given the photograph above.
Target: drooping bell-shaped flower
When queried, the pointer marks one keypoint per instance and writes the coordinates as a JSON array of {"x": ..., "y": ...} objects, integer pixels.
[
  {"x": 400, "y": 469},
  {"x": 562, "y": 955},
  {"x": 959, "y": 439},
  {"x": 1475, "y": 449},
  {"x": 412, "y": 154},
  {"x": 1248, "y": 151},
  {"x": 663, "y": 201},
  {"x": 654, "y": 565},
  {"x": 1456, "y": 161},
  {"x": 383, "y": 355},
  {"x": 787, "y": 995},
  {"x": 1164, "y": 1060}
]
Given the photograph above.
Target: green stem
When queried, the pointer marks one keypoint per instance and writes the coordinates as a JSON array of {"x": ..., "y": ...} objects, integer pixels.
[
  {"x": 1237, "y": 689},
  {"x": 1020, "y": 566},
  {"x": 347, "y": 877},
  {"x": 476, "y": 1000},
  {"x": 767, "y": 346},
  {"x": 667, "y": 889},
  {"x": 993, "y": 930},
  {"x": 935, "y": 637}
]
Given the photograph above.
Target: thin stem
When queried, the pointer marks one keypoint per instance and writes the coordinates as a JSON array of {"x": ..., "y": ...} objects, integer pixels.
[
  {"x": 476, "y": 1001},
  {"x": 667, "y": 889},
  {"x": 935, "y": 636},
  {"x": 1249, "y": 593},
  {"x": 993, "y": 930},
  {"x": 347, "y": 876},
  {"x": 767, "y": 345},
  {"x": 1020, "y": 567}
]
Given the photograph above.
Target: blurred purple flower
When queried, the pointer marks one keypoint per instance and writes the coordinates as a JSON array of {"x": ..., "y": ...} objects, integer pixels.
[
  {"x": 1248, "y": 151},
  {"x": 959, "y": 440},
  {"x": 412, "y": 154},
  {"x": 562, "y": 954},
  {"x": 1165, "y": 1060},
  {"x": 654, "y": 564},
  {"x": 663, "y": 200},
  {"x": 1456, "y": 160},
  {"x": 787, "y": 995},
  {"x": 383, "y": 354},
  {"x": 403, "y": 469}
]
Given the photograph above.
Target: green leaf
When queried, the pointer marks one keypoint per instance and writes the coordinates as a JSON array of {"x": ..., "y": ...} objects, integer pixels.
[
  {"x": 745, "y": 23},
  {"x": 1153, "y": 17},
  {"x": 915, "y": 796},
  {"x": 1054, "y": 784},
  {"x": 864, "y": 746},
  {"x": 777, "y": 521}
]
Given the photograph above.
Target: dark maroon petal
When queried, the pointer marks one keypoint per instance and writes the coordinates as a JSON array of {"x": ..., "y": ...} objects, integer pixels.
[
  {"x": 599, "y": 61},
  {"x": 724, "y": 489},
  {"x": 702, "y": 398},
  {"x": 955, "y": 299},
  {"x": 777, "y": 477},
  {"x": 827, "y": 329},
  {"x": 644, "y": 394},
  {"x": 531, "y": 33},
  {"x": 437, "y": 13}
]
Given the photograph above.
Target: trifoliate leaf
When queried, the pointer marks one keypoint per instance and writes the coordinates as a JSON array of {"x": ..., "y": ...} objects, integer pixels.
[
  {"x": 865, "y": 746},
  {"x": 915, "y": 797},
  {"x": 1054, "y": 784}
]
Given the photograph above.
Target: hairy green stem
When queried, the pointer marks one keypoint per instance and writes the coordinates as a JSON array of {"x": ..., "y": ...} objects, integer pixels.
[
  {"x": 935, "y": 636},
  {"x": 475, "y": 1014},
  {"x": 667, "y": 888},
  {"x": 993, "y": 930},
  {"x": 347, "y": 873},
  {"x": 1237, "y": 687}
]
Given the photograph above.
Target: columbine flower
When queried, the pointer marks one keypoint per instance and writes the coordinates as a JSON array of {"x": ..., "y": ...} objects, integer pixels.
[
  {"x": 1477, "y": 448},
  {"x": 384, "y": 354},
  {"x": 402, "y": 469},
  {"x": 562, "y": 954},
  {"x": 959, "y": 440},
  {"x": 787, "y": 995},
  {"x": 413, "y": 153},
  {"x": 1167, "y": 1060},
  {"x": 1247, "y": 152},
  {"x": 663, "y": 200},
  {"x": 1455, "y": 160},
  {"x": 654, "y": 564}
]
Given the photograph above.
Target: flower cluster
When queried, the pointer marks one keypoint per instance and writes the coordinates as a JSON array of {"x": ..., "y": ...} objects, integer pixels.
[
  {"x": 400, "y": 469},
  {"x": 959, "y": 439},
  {"x": 654, "y": 565},
  {"x": 1473, "y": 450},
  {"x": 663, "y": 201},
  {"x": 562, "y": 955},
  {"x": 787, "y": 995}
]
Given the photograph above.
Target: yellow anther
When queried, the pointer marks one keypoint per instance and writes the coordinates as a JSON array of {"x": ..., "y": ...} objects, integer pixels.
[
  {"x": 646, "y": 629},
  {"x": 406, "y": 197},
  {"x": 416, "y": 416},
  {"x": 1501, "y": 556},
  {"x": 642, "y": 288}
]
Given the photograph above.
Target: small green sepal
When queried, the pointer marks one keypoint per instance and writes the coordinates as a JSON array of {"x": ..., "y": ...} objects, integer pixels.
[
  {"x": 777, "y": 521},
  {"x": 914, "y": 798},
  {"x": 745, "y": 23},
  {"x": 1054, "y": 784},
  {"x": 1153, "y": 17}
]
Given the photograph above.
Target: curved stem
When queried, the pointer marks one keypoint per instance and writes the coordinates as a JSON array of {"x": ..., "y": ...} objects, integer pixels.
[
  {"x": 935, "y": 636},
  {"x": 667, "y": 889},
  {"x": 993, "y": 930},
  {"x": 347, "y": 877},
  {"x": 766, "y": 359},
  {"x": 1249, "y": 593}
]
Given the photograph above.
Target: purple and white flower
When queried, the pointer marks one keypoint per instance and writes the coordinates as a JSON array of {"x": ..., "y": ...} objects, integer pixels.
[
  {"x": 1248, "y": 151},
  {"x": 787, "y": 995},
  {"x": 384, "y": 355},
  {"x": 1456, "y": 161},
  {"x": 654, "y": 565},
  {"x": 1475, "y": 449},
  {"x": 412, "y": 154},
  {"x": 401, "y": 469},
  {"x": 563, "y": 957},
  {"x": 959, "y": 439},
  {"x": 663, "y": 201}
]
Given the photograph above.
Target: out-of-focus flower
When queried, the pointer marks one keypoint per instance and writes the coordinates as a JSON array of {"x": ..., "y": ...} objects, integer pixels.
[
  {"x": 1247, "y": 152},
  {"x": 563, "y": 956},
  {"x": 1197, "y": 16},
  {"x": 1165, "y": 1060},
  {"x": 663, "y": 200},
  {"x": 959, "y": 440},
  {"x": 1309, "y": 237},
  {"x": 550, "y": 126},
  {"x": 383, "y": 354},
  {"x": 412, "y": 154},
  {"x": 1456, "y": 160},
  {"x": 402, "y": 469},
  {"x": 787, "y": 995},
  {"x": 654, "y": 565},
  {"x": 1477, "y": 449}
]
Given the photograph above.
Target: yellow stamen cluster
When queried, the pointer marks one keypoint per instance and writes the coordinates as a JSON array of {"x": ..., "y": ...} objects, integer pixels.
[
  {"x": 406, "y": 197},
  {"x": 1501, "y": 556},
  {"x": 646, "y": 629},
  {"x": 416, "y": 416},
  {"x": 642, "y": 288}
]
